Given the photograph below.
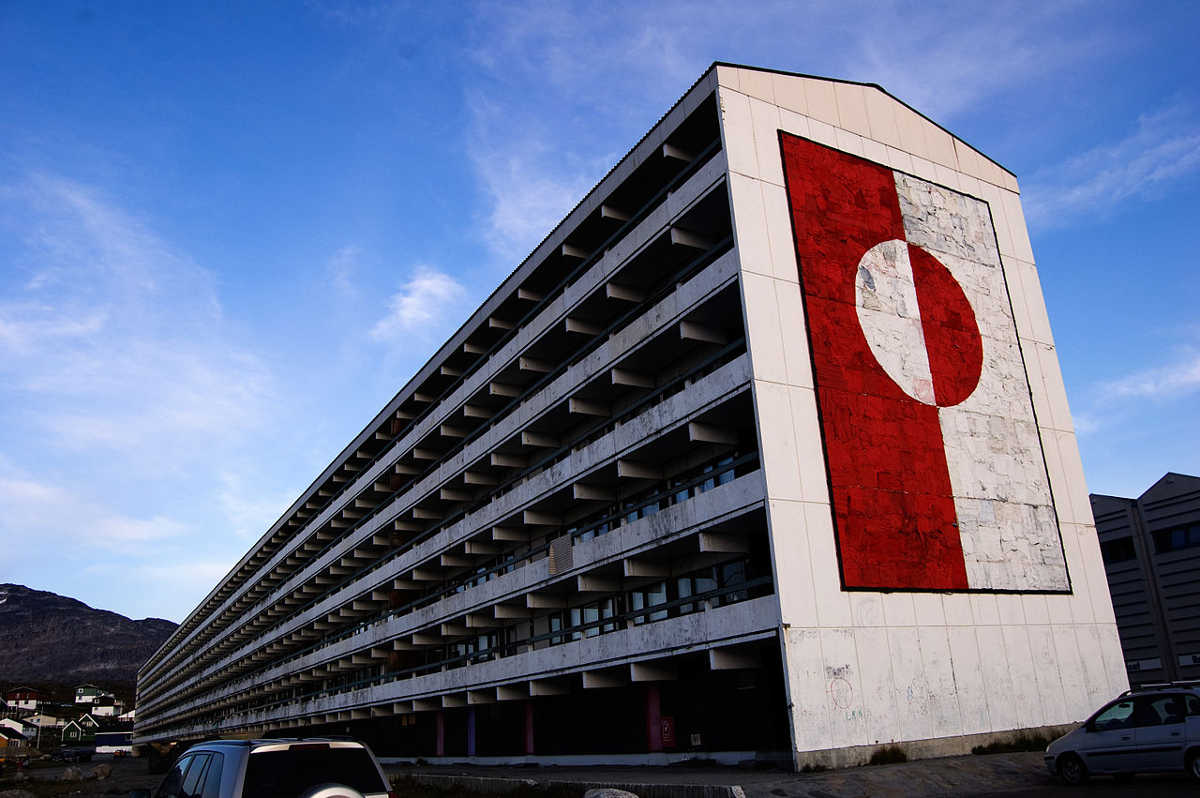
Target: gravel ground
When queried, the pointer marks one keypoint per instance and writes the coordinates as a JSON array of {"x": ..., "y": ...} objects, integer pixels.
[{"x": 127, "y": 774}]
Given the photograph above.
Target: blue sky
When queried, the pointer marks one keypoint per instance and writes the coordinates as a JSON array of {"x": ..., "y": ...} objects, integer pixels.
[{"x": 230, "y": 232}]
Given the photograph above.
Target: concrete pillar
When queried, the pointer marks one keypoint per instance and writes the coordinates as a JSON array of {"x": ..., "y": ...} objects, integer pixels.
[
  {"x": 529, "y": 728},
  {"x": 439, "y": 725},
  {"x": 470, "y": 732},
  {"x": 654, "y": 741}
]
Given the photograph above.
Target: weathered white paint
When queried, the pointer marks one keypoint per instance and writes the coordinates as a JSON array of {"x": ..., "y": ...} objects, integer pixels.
[{"x": 871, "y": 668}]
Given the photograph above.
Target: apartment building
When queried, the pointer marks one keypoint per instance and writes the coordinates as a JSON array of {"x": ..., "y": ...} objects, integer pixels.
[
  {"x": 763, "y": 452},
  {"x": 1151, "y": 550}
]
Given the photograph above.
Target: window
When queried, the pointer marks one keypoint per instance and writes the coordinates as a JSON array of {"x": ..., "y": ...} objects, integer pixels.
[
  {"x": 1158, "y": 710},
  {"x": 590, "y": 615},
  {"x": 1180, "y": 537},
  {"x": 655, "y": 596},
  {"x": 1193, "y": 705},
  {"x": 194, "y": 780},
  {"x": 1117, "y": 716},
  {"x": 174, "y": 779},
  {"x": 649, "y": 596},
  {"x": 283, "y": 774},
  {"x": 684, "y": 586},
  {"x": 1119, "y": 550},
  {"x": 730, "y": 574}
]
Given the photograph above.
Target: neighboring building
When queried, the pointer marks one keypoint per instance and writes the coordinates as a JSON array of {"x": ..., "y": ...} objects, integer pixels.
[
  {"x": 81, "y": 730},
  {"x": 1151, "y": 550},
  {"x": 47, "y": 721},
  {"x": 9, "y": 711},
  {"x": 114, "y": 742},
  {"x": 667, "y": 495},
  {"x": 106, "y": 707},
  {"x": 128, "y": 717},
  {"x": 23, "y": 727},
  {"x": 74, "y": 732},
  {"x": 26, "y": 698},
  {"x": 13, "y": 745},
  {"x": 90, "y": 694}
]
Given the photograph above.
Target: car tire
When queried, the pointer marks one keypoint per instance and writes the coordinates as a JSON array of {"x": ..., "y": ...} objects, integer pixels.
[
  {"x": 1193, "y": 765},
  {"x": 1071, "y": 770}
]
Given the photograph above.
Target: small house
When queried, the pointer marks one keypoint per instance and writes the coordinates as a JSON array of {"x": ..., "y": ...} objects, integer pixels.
[
  {"x": 72, "y": 733},
  {"x": 80, "y": 730},
  {"x": 25, "y": 698},
  {"x": 106, "y": 706},
  {"x": 21, "y": 726},
  {"x": 90, "y": 694},
  {"x": 13, "y": 744}
]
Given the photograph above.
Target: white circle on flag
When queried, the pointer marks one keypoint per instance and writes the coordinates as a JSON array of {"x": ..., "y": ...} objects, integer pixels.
[{"x": 885, "y": 296}]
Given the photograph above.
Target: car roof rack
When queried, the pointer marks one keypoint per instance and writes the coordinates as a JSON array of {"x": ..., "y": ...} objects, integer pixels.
[{"x": 1148, "y": 686}]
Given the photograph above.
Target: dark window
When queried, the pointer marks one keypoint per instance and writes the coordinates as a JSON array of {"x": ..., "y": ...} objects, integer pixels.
[
  {"x": 194, "y": 780},
  {"x": 1119, "y": 550},
  {"x": 174, "y": 779},
  {"x": 289, "y": 773},
  {"x": 1180, "y": 537},
  {"x": 212, "y": 781},
  {"x": 1193, "y": 705},
  {"x": 1158, "y": 710}
]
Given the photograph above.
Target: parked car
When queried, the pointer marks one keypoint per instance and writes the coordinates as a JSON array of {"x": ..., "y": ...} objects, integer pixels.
[
  {"x": 294, "y": 768},
  {"x": 1142, "y": 731},
  {"x": 73, "y": 754}
]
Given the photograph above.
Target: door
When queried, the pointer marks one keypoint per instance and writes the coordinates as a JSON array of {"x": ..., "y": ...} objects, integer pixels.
[
  {"x": 1161, "y": 732},
  {"x": 1109, "y": 744}
]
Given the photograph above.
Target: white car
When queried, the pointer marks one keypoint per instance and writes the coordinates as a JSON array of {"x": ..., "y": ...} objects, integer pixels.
[
  {"x": 289, "y": 768},
  {"x": 1142, "y": 731}
]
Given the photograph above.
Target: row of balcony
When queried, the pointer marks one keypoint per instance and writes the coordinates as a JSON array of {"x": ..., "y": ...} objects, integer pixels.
[{"x": 686, "y": 139}]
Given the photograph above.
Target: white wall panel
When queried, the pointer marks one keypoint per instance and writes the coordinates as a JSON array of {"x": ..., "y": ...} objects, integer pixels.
[{"x": 866, "y": 666}]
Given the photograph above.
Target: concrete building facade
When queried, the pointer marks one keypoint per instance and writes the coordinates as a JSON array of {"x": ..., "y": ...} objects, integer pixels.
[
  {"x": 1151, "y": 551},
  {"x": 763, "y": 451}
]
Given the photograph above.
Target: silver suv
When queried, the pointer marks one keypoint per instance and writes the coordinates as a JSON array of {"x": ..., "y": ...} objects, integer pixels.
[
  {"x": 1141, "y": 731},
  {"x": 298, "y": 768}
]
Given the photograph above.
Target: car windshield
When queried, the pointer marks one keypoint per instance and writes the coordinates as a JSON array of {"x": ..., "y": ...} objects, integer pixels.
[{"x": 289, "y": 773}]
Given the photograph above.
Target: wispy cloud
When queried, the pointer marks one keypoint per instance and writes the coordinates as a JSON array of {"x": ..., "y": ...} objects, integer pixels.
[
  {"x": 1163, "y": 147},
  {"x": 421, "y": 306},
  {"x": 341, "y": 270},
  {"x": 249, "y": 509},
  {"x": 945, "y": 59},
  {"x": 187, "y": 576},
  {"x": 116, "y": 339},
  {"x": 557, "y": 84},
  {"x": 122, "y": 384},
  {"x": 1162, "y": 383},
  {"x": 40, "y": 512},
  {"x": 1112, "y": 402},
  {"x": 528, "y": 184}
]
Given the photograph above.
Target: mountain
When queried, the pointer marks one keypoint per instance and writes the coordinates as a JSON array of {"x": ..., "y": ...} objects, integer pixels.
[{"x": 48, "y": 638}]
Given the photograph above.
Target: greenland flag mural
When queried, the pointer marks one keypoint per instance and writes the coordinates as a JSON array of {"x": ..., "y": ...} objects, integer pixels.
[{"x": 937, "y": 476}]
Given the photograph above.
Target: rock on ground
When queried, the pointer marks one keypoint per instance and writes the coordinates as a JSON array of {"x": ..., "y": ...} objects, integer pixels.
[
  {"x": 72, "y": 774},
  {"x": 608, "y": 792},
  {"x": 102, "y": 771}
]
